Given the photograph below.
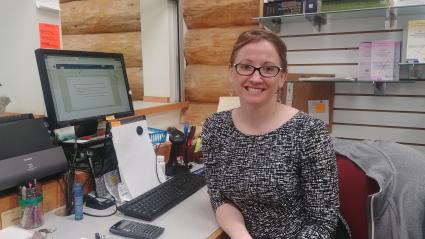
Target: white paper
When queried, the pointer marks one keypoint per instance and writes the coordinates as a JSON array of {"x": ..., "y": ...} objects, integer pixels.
[
  {"x": 48, "y": 4},
  {"x": 136, "y": 157},
  {"x": 111, "y": 180},
  {"x": 319, "y": 109},
  {"x": 15, "y": 232},
  {"x": 415, "y": 48}
]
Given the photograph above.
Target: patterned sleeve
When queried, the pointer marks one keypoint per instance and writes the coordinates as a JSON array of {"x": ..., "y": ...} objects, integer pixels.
[
  {"x": 319, "y": 180},
  {"x": 209, "y": 146}
]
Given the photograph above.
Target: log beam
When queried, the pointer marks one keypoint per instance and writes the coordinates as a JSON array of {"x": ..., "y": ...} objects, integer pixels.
[
  {"x": 127, "y": 43},
  {"x": 211, "y": 46},
  {"x": 206, "y": 84},
  {"x": 219, "y": 13},
  {"x": 100, "y": 16}
]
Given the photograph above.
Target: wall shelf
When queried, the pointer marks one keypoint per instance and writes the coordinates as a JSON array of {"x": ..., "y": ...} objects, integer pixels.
[{"x": 389, "y": 14}]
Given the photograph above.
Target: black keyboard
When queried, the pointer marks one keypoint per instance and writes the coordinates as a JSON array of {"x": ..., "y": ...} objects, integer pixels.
[{"x": 163, "y": 197}]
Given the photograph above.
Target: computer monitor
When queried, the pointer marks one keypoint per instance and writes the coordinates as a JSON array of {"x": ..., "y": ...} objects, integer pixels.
[{"x": 81, "y": 87}]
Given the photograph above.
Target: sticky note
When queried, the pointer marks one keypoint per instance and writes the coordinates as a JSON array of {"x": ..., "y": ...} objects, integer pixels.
[
  {"x": 320, "y": 107},
  {"x": 49, "y": 36}
]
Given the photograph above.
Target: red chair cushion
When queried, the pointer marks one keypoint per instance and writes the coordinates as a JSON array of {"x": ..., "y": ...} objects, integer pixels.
[{"x": 354, "y": 188}]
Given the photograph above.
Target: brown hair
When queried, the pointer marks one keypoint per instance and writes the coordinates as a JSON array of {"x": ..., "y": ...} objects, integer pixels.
[{"x": 256, "y": 36}]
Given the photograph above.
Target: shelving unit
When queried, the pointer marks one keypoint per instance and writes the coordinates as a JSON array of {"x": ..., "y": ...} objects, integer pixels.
[{"x": 388, "y": 14}]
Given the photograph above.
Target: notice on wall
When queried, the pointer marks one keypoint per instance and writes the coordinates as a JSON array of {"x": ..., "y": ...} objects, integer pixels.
[
  {"x": 319, "y": 109},
  {"x": 49, "y": 36},
  {"x": 415, "y": 48}
]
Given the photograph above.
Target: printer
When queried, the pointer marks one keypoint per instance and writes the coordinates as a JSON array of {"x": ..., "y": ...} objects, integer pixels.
[{"x": 27, "y": 152}]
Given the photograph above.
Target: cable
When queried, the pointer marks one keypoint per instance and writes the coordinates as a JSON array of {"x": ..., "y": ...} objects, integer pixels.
[
  {"x": 106, "y": 215},
  {"x": 156, "y": 149}
]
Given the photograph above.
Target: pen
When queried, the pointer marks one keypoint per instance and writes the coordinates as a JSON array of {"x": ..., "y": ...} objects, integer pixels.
[{"x": 185, "y": 129}]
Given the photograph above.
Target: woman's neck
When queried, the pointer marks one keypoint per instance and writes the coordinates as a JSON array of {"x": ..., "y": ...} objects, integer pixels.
[{"x": 257, "y": 119}]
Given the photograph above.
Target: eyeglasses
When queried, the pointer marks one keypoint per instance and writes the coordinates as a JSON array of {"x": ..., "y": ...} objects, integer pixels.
[{"x": 265, "y": 71}]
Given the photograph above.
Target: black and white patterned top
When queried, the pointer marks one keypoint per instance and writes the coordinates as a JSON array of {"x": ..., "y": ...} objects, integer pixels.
[{"x": 283, "y": 182}]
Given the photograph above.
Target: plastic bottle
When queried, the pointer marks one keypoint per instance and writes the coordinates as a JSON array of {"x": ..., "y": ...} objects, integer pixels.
[{"x": 78, "y": 201}]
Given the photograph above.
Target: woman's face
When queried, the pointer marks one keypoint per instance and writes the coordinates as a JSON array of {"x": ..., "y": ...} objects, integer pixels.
[{"x": 256, "y": 89}]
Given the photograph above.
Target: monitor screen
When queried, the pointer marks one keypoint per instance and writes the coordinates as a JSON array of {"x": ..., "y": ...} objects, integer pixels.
[{"x": 83, "y": 86}]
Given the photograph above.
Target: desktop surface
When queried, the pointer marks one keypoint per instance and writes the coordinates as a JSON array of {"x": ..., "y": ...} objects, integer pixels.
[{"x": 193, "y": 218}]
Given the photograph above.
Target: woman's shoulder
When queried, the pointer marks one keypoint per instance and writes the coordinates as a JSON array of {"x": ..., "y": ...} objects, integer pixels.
[
  {"x": 219, "y": 117},
  {"x": 218, "y": 120},
  {"x": 302, "y": 120}
]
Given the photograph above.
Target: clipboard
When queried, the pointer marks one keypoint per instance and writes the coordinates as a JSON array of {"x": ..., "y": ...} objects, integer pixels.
[{"x": 135, "y": 155}]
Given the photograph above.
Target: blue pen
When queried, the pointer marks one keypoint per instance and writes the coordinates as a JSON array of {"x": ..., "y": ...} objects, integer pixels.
[{"x": 186, "y": 129}]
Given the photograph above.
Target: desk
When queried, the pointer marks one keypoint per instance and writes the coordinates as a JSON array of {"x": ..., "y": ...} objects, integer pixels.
[{"x": 191, "y": 219}]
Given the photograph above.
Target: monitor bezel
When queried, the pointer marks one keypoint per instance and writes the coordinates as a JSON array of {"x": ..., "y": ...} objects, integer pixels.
[{"x": 41, "y": 55}]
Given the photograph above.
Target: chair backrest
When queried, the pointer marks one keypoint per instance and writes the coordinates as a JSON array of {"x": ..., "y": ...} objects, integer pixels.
[{"x": 354, "y": 188}]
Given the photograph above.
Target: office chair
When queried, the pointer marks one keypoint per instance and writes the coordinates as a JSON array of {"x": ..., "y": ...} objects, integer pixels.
[{"x": 354, "y": 188}]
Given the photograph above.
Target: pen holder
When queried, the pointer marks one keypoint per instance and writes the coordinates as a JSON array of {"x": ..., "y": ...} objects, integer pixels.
[{"x": 31, "y": 203}]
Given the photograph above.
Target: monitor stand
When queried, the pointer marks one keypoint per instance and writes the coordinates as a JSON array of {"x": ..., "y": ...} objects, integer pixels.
[{"x": 86, "y": 128}]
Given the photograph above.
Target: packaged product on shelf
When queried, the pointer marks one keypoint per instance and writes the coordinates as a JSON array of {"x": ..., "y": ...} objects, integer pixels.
[
  {"x": 363, "y": 67},
  {"x": 415, "y": 47},
  {"x": 385, "y": 59},
  {"x": 282, "y": 7},
  {"x": 341, "y": 5}
]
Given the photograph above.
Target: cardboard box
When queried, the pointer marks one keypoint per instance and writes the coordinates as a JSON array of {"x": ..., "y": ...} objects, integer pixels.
[{"x": 385, "y": 59}]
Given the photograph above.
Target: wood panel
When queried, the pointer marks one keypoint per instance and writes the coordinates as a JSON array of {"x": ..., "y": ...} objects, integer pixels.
[
  {"x": 219, "y": 13},
  {"x": 135, "y": 81},
  {"x": 100, "y": 16},
  {"x": 211, "y": 46},
  {"x": 128, "y": 43},
  {"x": 198, "y": 112},
  {"x": 205, "y": 83}
]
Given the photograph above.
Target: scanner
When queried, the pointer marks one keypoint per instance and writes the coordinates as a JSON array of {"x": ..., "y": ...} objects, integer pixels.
[
  {"x": 175, "y": 166},
  {"x": 27, "y": 152}
]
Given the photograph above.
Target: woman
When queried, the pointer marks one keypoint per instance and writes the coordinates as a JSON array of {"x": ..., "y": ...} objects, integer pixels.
[{"x": 270, "y": 169}]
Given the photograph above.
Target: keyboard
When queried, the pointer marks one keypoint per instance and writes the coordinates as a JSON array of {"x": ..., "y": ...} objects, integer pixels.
[{"x": 163, "y": 197}]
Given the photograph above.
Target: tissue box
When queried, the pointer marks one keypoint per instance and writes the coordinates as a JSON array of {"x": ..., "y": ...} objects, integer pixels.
[{"x": 385, "y": 57}]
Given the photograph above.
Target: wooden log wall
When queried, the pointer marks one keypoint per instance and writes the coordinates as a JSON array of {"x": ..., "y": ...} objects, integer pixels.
[
  {"x": 213, "y": 27},
  {"x": 106, "y": 26}
]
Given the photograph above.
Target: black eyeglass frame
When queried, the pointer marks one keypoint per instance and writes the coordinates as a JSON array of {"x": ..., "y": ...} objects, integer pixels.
[{"x": 257, "y": 69}]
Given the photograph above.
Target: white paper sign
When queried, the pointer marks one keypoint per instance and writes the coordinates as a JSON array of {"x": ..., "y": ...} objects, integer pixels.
[
  {"x": 319, "y": 109},
  {"x": 136, "y": 157}
]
